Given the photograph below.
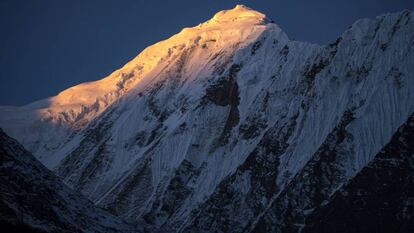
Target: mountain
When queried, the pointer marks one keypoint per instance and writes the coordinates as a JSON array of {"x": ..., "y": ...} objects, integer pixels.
[
  {"x": 230, "y": 126},
  {"x": 379, "y": 198},
  {"x": 33, "y": 199}
]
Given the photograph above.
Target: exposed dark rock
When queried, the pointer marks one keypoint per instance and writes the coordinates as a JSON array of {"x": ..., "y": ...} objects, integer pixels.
[
  {"x": 395, "y": 76},
  {"x": 285, "y": 50},
  {"x": 225, "y": 90},
  {"x": 33, "y": 199},
  {"x": 95, "y": 137},
  {"x": 175, "y": 194},
  {"x": 229, "y": 209},
  {"x": 257, "y": 45},
  {"x": 139, "y": 181},
  {"x": 359, "y": 73},
  {"x": 313, "y": 185},
  {"x": 252, "y": 128},
  {"x": 380, "y": 198},
  {"x": 225, "y": 93}
]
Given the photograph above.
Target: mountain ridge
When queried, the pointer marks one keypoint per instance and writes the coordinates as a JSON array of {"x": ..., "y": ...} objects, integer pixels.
[
  {"x": 33, "y": 199},
  {"x": 77, "y": 106},
  {"x": 222, "y": 128}
]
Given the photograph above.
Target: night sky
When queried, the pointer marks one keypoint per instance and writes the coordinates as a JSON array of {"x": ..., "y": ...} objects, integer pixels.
[{"x": 48, "y": 46}]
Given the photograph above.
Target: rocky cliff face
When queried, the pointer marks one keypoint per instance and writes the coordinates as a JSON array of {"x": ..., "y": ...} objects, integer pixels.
[
  {"x": 33, "y": 199},
  {"x": 230, "y": 126},
  {"x": 379, "y": 198}
]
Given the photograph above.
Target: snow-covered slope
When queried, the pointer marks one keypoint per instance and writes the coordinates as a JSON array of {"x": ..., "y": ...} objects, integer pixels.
[
  {"x": 33, "y": 199},
  {"x": 379, "y": 198},
  {"x": 45, "y": 125},
  {"x": 211, "y": 128}
]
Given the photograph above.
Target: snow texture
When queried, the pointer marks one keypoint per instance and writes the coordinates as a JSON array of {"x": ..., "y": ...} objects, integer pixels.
[
  {"x": 211, "y": 128},
  {"x": 34, "y": 198}
]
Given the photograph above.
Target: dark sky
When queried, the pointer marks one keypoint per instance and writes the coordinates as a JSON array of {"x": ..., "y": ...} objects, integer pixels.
[{"x": 47, "y": 46}]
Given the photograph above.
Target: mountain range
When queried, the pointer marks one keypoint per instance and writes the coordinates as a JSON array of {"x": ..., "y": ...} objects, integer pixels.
[{"x": 230, "y": 126}]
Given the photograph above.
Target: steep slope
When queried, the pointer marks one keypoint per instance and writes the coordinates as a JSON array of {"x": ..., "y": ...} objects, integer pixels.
[
  {"x": 355, "y": 106},
  {"x": 381, "y": 196},
  {"x": 33, "y": 199},
  {"x": 45, "y": 126},
  {"x": 230, "y": 124}
]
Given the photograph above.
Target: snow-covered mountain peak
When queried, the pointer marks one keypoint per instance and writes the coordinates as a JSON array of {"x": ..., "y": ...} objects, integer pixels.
[
  {"x": 193, "y": 53},
  {"x": 240, "y": 13},
  {"x": 238, "y": 25},
  {"x": 228, "y": 124}
]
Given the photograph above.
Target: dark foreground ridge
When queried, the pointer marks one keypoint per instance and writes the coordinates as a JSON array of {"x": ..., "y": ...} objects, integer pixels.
[{"x": 34, "y": 200}]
